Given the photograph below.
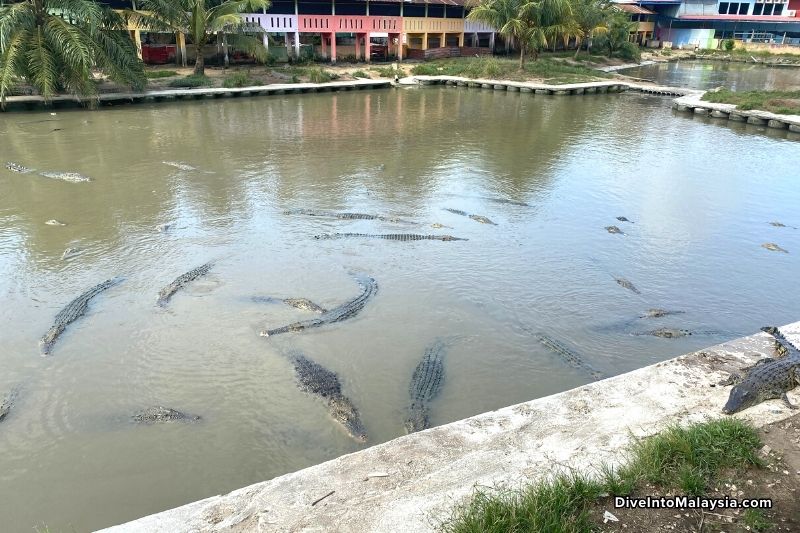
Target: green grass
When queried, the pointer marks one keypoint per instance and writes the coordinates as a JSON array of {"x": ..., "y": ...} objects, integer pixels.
[
  {"x": 385, "y": 72},
  {"x": 155, "y": 74},
  {"x": 742, "y": 53},
  {"x": 756, "y": 521},
  {"x": 319, "y": 75},
  {"x": 782, "y": 102},
  {"x": 190, "y": 81},
  {"x": 687, "y": 459},
  {"x": 238, "y": 79},
  {"x": 551, "y": 70},
  {"x": 360, "y": 74}
]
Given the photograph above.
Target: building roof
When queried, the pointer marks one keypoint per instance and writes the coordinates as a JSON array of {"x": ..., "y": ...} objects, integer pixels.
[
  {"x": 633, "y": 8},
  {"x": 741, "y": 18}
]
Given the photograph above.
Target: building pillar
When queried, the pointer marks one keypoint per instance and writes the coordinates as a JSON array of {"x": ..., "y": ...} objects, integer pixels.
[
  {"x": 476, "y": 41},
  {"x": 296, "y": 44},
  {"x": 461, "y": 39},
  {"x": 425, "y": 39},
  {"x": 443, "y": 40},
  {"x": 265, "y": 40},
  {"x": 324, "y": 41},
  {"x": 491, "y": 41},
  {"x": 180, "y": 39},
  {"x": 358, "y": 46},
  {"x": 333, "y": 47},
  {"x": 367, "y": 48},
  {"x": 137, "y": 39}
]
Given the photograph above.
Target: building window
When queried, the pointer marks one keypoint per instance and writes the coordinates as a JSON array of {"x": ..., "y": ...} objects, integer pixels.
[
  {"x": 778, "y": 9},
  {"x": 743, "y": 7},
  {"x": 768, "y": 9},
  {"x": 758, "y": 8},
  {"x": 723, "y": 8}
]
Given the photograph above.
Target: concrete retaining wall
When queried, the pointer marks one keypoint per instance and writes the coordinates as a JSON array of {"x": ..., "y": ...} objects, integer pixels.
[{"x": 421, "y": 476}]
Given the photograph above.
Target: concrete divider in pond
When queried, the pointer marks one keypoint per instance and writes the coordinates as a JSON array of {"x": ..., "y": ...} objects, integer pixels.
[
  {"x": 411, "y": 483},
  {"x": 694, "y": 104},
  {"x": 16, "y": 103}
]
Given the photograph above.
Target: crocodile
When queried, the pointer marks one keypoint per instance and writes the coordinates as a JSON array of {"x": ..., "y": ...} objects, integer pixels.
[
  {"x": 426, "y": 383},
  {"x": 318, "y": 380},
  {"x": 570, "y": 357},
  {"x": 436, "y": 225},
  {"x": 614, "y": 229},
  {"x": 482, "y": 220},
  {"x": 72, "y": 177},
  {"x": 768, "y": 379},
  {"x": 658, "y": 313},
  {"x": 666, "y": 333},
  {"x": 54, "y": 222},
  {"x": 627, "y": 284},
  {"x": 71, "y": 252},
  {"x": 14, "y": 167},
  {"x": 341, "y": 216},
  {"x": 506, "y": 201},
  {"x": 781, "y": 225},
  {"x": 783, "y": 347},
  {"x": 403, "y": 237},
  {"x": 298, "y": 303},
  {"x": 73, "y": 310},
  {"x": 166, "y": 293},
  {"x": 624, "y": 219},
  {"x": 344, "y": 311},
  {"x": 8, "y": 402},
  {"x": 477, "y": 218},
  {"x": 771, "y": 246},
  {"x": 179, "y": 166},
  {"x": 158, "y": 413}
]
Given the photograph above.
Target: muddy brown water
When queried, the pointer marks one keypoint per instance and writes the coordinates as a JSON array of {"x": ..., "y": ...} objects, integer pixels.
[{"x": 700, "y": 197}]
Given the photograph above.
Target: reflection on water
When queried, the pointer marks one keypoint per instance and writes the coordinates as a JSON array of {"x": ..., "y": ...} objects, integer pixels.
[
  {"x": 700, "y": 198},
  {"x": 711, "y": 74}
]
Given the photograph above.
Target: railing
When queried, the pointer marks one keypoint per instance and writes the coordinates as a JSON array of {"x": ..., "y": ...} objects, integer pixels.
[
  {"x": 349, "y": 24},
  {"x": 432, "y": 25},
  {"x": 272, "y": 23},
  {"x": 472, "y": 26}
]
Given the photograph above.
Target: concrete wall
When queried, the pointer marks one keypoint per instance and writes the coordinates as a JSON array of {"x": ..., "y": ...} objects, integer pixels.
[{"x": 411, "y": 483}]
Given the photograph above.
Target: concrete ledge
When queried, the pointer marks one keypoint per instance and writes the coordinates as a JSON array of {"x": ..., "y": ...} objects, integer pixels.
[{"x": 429, "y": 472}]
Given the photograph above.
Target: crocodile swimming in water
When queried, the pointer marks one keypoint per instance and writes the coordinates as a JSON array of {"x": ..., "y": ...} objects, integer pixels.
[
  {"x": 402, "y": 237},
  {"x": 8, "y": 402},
  {"x": 341, "y": 216},
  {"x": 298, "y": 303},
  {"x": 781, "y": 225},
  {"x": 166, "y": 293},
  {"x": 614, "y": 229},
  {"x": 506, "y": 201},
  {"x": 571, "y": 358},
  {"x": 156, "y": 414},
  {"x": 347, "y": 310},
  {"x": 426, "y": 383},
  {"x": 54, "y": 222},
  {"x": 477, "y": 218},
  {"x": 666, "y": 333},
  {"x": 624, "y": 219},
  {"x": 72, "y": 177},
  {"x": 658, "y": 313},
  {"x": 767, "y": 379},
  {"x": 318, "y": 380},
  {"x": 627, "y": 284},
  {"x": 74, "y": 310},
  {"x": 771, "y": 246},
  {"x": 14, "y": 167},
  {"x": 179, "y": 165},
  {"x": 71, "y": 252}
]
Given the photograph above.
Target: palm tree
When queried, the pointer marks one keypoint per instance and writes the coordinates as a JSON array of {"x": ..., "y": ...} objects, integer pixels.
[
  {"x": 531, "y": 24},
  {"x": 55, "y": 44},
  {"x": 200, "y": 19},
  {"x": 617, "y": 38},
  {"x": 590, "y": 18}
]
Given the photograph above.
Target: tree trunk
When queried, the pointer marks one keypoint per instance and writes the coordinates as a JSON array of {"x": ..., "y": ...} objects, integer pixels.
[
  {"x": 578, "y": 49},
  {"x": 522, "y": 58},
  {"x": 199, "y": 62},
  {"x": 225, "y": 49}
]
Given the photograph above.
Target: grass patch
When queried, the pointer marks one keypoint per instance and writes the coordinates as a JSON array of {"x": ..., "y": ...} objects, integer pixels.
[
  {"x": 319, "y": 75},
  {"x": 385, "y": 72},
  {"x": 687, "y": 459},
  {"x": 238, "y": 79},
  {"x": 156, "y": 74},
  {"x": 361, "y": 74},
  {"x": 756, "y": 521},
  {"x": 190, "y": 81},
  {"x": 782, "y": 102},
  {"x": 550, "y": 69}
]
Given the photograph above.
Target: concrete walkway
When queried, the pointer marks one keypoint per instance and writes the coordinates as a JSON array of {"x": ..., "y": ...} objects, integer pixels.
[
  {"x": 694, "y": 104},
  {"x": 421, "y": 476}
]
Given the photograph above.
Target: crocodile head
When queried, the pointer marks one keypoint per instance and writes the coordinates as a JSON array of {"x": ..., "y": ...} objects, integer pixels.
[
  {"x": 742, "y": 396},
  {"x": 345, "y": 413}
]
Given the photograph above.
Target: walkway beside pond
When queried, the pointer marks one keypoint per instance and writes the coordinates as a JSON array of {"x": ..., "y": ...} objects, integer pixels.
[
  {"x": 411, "y": 483},
  {"x": 693, "y": 104},
  {"x": 32, "y": 102}
]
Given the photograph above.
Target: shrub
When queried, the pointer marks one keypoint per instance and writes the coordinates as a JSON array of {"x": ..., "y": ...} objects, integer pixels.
[
  {"x": 155, "y": 74},
  {"x": 318, "y": 75},
  {"x": 271, "y": 59},
  {"x": 385, "y": 72},
  {"x": 425, "y": 69},
  {"x": 729, "y": 44},
  {"x": 238, "y": 79},
  {"x": 360, "y": 74},
  {"x": 350, "y": 58},
  {"x": 190, "y": 81}
]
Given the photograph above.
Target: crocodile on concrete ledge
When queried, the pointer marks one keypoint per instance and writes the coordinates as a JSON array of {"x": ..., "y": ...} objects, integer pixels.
[
  {"x": 768, "y": 379},
  {"x": 74, "y": 310},
  {"x": 318, "y": 380},
  {"x": 402, "y": 237},
  {"x": 166, "y": 293},
  {"x": 426, "y": 383},
  {"x": 347, "y": 310}
]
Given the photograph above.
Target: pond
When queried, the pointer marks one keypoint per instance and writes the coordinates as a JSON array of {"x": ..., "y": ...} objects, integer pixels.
[
  {"x": 700, "y": 198},
  {"x": 711, "y": 74}
]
